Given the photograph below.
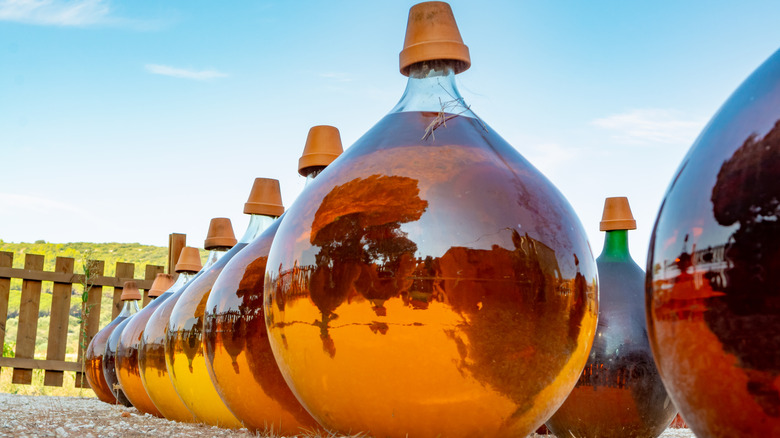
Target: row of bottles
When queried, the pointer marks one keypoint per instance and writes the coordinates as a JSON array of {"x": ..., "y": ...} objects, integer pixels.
[
  {"x": 431, "y": 282},
  {"x": 160, "y": 353}
]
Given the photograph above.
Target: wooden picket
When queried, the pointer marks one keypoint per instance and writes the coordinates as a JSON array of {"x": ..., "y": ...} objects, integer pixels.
[{"x": 63, "y": 278}]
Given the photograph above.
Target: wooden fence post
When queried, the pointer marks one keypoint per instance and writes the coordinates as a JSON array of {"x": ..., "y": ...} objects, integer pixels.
[
  {"x": 58, "y": 322},
  {"x": 28, "y": 319},
  {"x": 176, "y": 242},
  {"x": 123, "y": 270},
  {"x": 96, "y": 268},
  {"x": 151, "y": 274},
  {"x": 6, "y": 261}
]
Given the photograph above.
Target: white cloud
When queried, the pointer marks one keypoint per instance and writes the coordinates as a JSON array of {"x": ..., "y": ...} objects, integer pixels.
[
  {"x": 78, "y": 13},
  {"x": 652, "y": 126},
  {"x": 549, "y": 157},
  {"x": 184, "y": 73}
]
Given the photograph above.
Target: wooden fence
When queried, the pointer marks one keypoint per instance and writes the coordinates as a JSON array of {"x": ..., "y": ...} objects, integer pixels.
[{"x": 64, "y": 279}]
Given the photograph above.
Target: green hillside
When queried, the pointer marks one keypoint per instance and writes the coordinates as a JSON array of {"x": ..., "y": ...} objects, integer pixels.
[{"x": 110, "y": 253}]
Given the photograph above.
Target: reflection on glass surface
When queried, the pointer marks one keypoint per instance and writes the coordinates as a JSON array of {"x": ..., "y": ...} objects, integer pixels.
[
  {"x": 713, "y": 306},
  {"x": 128, "y": 373},
  {"x": 151, "y": 356},
  {"x": 238, "y": 355},
  {"x": 431, "y": 276},
  {"x": 620, "y": 392}
]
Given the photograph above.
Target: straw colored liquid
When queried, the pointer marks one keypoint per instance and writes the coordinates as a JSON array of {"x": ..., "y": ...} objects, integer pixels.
[
  {"x": 151, "y": 362},
  {"x": 184, "y": 350}
]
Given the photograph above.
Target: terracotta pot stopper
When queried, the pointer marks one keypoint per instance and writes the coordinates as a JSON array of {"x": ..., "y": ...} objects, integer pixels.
[
  {"x": 220, "y": 234},
  {"x": 265, "y": 198},
  {"x": 323, "y": 145},
  {"x": 162, "y": 282},
  {"x": 189, "y": 260},
  {"x": 130, "y": 291},
  {"x": 617, "y": 215},
  {"x": 432, "y": 33}
]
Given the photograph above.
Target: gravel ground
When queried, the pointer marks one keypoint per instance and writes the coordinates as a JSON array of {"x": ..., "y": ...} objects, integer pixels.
[{"x": 80, "y": 417}]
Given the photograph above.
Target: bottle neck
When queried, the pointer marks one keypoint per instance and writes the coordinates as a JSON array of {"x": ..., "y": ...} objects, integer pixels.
[
  {"x": 129, "y": 308},
  {"x": 183, "y": 278},
  {"x": 257, "y": 224},
  {"x": 214, "y": 255},
  {"x": 431, "y": 88},
  {"x": 313, "y": 174},
  {"x": 615, "y": 245}
]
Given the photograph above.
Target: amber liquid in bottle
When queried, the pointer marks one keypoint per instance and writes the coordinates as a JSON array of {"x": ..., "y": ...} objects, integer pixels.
[
  {"x": 238, "y": 356},
  {"x": 93, "y": 357},
  {"x": 431, "y": 272},
  {"x": 109, "y": 363},
  {"x": 128, "y": 373},
  {"x": 151, "y": 360},
  {"x": 184, "y": 349},
  {"x": 620, "y": 392},
  {"x": 713, "y": 270}
]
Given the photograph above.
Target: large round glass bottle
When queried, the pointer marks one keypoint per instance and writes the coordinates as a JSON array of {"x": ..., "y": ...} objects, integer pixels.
[
  {"x": 127, "y": 371},
  {"x": 151, "y": 348},
  {"x": 713, "y": 270},
  {"x": 431, "y": 281},
  {"x": 184, "y": 343},
  {"x": 94, "y": 356},
  {"x": 131, "y": 296},
  {"x": 620, "y": 393},
  {"x": 238, "y": 355}
]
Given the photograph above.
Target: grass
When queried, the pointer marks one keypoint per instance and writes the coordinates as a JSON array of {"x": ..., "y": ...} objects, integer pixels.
[
  {"x": 68, "y": 388},
  {"x": 41, "y": 340}
]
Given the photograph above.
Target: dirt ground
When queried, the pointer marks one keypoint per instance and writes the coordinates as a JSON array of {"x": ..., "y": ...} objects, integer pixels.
[{"x": 81, "y": 417}]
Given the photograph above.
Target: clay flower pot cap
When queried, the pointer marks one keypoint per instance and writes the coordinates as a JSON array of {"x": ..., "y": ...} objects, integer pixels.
[
  {"x": 220, "y": 234},
  {"x": 323, "y": 145},
  {"x": 130, "y": 291},
  {"x": 161, "y": 283},
  {"x": 432, "y": 33},
  {"x": 265, "y": 198},
  {"x": 189, "y": 260},
  {"x": 617, "y": 215}
]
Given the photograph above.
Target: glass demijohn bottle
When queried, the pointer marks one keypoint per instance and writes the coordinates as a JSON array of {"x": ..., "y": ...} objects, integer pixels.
[
  {"x": 151, "y": 349},
  {"x": 95, "y": 353},
  {"x": 238, "y": 355},
  {"x": 431, "y": 281},
  {"x": 131, "y": 296},
  {"x": 184, "y": 343},
  {"x": 713, "y": 269},
  {"x": 620, "y": 393},
  {"x": 128, "y": 374}
]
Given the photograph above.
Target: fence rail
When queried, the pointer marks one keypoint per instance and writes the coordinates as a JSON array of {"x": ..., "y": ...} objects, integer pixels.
[{"x": 63, "y": 279}]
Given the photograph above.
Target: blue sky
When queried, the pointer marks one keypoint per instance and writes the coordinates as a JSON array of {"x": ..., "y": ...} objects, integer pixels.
[{"x": 126, "y": 121}]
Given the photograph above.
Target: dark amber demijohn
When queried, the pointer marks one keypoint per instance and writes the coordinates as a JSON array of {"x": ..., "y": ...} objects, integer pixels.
[
  {"x": 128, "y": 374},
  {"x": 620, "y": 393},
  {"x": 238, "y": 356},
  {"x": 97, "y": 364},
  {"x": 131, "y": 296},
  {"x": 431, "y": 282},
  {"x": 151, "y": 348},
  {"x": 713, "y": 269}
]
